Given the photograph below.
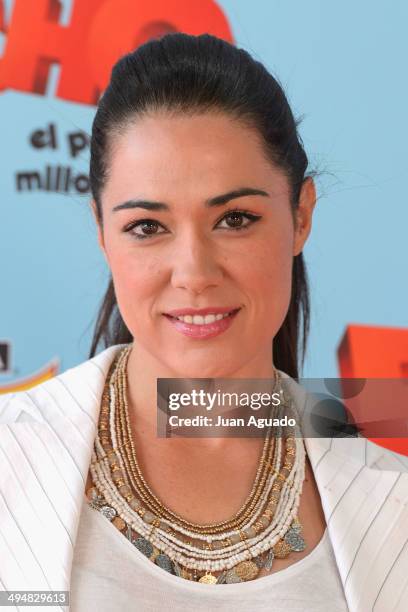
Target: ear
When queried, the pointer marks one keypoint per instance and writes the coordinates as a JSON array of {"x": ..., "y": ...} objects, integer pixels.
[
  {"x": 99, "y": 228},
  {"x": 304, "y": 213}
]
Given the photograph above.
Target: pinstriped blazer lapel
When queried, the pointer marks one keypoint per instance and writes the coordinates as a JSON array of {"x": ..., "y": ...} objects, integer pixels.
[
  {"x": 366, "y": 511},
  {"x": 46, "y": 440},
  {"x": 364, "y": 494}
]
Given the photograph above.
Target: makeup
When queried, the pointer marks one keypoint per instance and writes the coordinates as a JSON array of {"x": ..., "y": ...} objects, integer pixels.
[{"x": 206, "y": 330}]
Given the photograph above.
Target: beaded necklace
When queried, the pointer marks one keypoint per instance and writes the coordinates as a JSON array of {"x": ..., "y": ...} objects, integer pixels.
[{"x": 264, "y": 528}]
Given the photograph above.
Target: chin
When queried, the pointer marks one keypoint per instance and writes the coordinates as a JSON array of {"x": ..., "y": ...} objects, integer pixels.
[{"x": 206, "y": 370}]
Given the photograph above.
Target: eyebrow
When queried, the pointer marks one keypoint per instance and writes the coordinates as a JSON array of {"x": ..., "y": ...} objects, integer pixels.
[{"x": 215, "y": 201}]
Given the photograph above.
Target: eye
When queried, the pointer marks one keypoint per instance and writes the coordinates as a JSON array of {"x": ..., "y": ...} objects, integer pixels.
[
  {"x": 148, "y": 227},
  {"x": 237, "y": 216}
]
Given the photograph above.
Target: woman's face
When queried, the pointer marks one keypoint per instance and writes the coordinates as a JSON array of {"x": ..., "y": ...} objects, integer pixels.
[{"x": 187, "y": 253}]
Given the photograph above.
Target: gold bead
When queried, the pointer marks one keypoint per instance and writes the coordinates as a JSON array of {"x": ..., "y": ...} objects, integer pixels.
[
  {"x": 119, "y": 523},
  {"x": 208, "y": 578},
  {"x": 281, "y": 549},
  {"x": 186, "y": 574},
  {"x": 246, "y": 570}
]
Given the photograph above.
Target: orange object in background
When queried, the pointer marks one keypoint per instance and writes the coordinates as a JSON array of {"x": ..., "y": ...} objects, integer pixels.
[
  {"x": 366, "y": 351},
  {"x": 48, "y": 371},
  {"x": 98, "y": 33}
]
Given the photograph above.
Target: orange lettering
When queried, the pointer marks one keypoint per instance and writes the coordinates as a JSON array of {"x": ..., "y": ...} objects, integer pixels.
[{"x": 99, "y": 33}]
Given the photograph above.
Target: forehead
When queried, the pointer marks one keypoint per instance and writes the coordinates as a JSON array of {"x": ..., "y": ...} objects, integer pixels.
[{"x": 179, "y": 156}]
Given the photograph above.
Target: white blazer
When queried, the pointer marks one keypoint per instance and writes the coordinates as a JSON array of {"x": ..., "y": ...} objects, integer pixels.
[{"x": 46, "y": 440}]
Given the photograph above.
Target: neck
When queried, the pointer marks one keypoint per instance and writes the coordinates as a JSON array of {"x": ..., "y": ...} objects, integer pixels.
[{"x": 143, "y": 370}]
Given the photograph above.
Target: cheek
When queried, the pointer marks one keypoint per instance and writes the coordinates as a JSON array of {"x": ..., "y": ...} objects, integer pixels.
[
  {"x": 135, "y": 281},
  {"x": 268, "y": 269}
]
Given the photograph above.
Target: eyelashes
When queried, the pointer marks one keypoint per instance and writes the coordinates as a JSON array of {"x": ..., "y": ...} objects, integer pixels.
[{"x": 152, "y": 223}]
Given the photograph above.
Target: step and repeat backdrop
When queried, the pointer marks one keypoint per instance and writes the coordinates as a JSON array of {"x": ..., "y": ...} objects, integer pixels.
[{"x": 343, "y": 67}]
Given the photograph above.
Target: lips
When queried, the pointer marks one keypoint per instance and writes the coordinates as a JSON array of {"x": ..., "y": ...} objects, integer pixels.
[
  {"x": 201, "y": 311},
  {"x": 203, "y": 330},
  {"x": 203, "y": 319}
]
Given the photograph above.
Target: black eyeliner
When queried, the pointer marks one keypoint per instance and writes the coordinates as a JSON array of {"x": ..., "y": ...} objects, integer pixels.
[{"x": 252, "y": 217}]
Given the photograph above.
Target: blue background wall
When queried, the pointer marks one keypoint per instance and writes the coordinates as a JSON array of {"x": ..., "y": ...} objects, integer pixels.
[{"x": 343, "y": 67}]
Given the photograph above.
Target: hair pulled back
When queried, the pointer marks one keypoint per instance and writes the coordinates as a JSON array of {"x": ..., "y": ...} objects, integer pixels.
[{"x": 181, "y": 73}]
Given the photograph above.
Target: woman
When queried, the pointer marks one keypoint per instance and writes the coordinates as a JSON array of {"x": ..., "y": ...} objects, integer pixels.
[{"x": 202, "y": 208}]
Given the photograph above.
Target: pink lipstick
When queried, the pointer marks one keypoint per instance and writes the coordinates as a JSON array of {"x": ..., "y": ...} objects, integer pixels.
[{"x": 202, "y": 330}]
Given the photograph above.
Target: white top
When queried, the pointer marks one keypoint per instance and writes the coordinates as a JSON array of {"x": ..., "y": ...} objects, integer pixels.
[{"x": 109, "y": 574}]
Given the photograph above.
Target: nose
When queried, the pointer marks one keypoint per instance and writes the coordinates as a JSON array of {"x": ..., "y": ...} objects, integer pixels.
[{"x": 195, "y": 263}]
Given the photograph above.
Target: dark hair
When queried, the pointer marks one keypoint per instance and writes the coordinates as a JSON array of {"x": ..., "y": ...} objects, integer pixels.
[{"x": 191, "y": 74}]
